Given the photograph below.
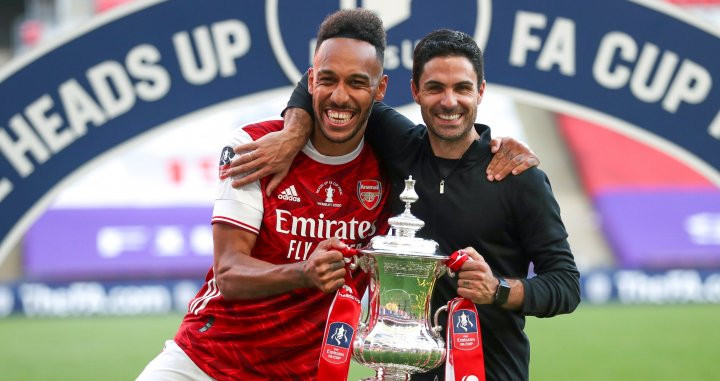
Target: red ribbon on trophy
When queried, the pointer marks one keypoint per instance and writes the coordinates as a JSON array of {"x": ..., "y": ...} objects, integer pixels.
[
  {"x": 464, "y": 360},
  {"x": 340, "y": 328}
]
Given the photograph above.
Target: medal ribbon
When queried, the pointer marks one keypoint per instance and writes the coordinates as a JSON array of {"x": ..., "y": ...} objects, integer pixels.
[
  {"x": 340, "y": 328},
  {"x": 464, "y": 358}
]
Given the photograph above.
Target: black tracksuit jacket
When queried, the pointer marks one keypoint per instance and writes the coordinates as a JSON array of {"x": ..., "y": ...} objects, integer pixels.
[{"x": 513, "y": 224}]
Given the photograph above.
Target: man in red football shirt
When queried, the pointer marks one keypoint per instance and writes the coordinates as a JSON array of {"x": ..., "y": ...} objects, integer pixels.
[{"x": 262, "y": 312}]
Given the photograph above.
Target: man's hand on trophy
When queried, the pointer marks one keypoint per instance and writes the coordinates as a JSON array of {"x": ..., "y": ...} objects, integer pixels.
[
  {"x": 325, "y": 269},
  {"x": 510, "y": 155},
  {"x": 476, "y": 280}
]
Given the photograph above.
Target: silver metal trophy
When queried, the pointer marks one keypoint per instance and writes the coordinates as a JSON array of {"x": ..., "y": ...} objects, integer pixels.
[{"x": 395, "y": 337}]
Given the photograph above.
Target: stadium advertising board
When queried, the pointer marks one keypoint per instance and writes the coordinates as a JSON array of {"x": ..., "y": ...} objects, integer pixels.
[
  {"x": 39, "y": 299},
  {"x": 158, "y": 297},
  {"x": 119, "y": 243},
  {"x": 627, "y": 64},
  {"x": 684, "y": 231}
]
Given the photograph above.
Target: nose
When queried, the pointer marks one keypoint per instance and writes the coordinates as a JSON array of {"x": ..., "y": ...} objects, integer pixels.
[
  {"x": 339, "y": 96},
  {"x": 449, "y": 99}
]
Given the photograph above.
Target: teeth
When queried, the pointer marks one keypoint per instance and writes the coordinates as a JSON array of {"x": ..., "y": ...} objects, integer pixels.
[
  {"x": 339, "y": 116},
  {"x": 448, "y": 116}
]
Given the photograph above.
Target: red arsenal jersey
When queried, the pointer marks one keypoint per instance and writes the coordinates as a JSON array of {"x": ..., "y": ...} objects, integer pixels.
[{"x": 279, "y": 337}]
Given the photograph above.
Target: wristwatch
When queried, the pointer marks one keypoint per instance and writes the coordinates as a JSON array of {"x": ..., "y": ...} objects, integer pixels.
[{"x": 502, "y": 292}]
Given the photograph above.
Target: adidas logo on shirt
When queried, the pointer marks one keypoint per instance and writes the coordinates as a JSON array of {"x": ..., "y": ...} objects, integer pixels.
[{"x": 289, "y": 194}]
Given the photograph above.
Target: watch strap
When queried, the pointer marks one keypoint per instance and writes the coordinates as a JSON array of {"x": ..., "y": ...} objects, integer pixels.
[{"x": 502, "y": 292}]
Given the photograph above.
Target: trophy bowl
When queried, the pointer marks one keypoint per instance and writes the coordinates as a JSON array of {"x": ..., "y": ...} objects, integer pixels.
[{"x": 395, "y": 337}]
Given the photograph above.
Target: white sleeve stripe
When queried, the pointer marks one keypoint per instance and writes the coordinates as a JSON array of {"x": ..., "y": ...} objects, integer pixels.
[
  {"x": 201, "y": 303},
  {"x": 239, "y": 224},
  {"x": 210, "y": 290}
]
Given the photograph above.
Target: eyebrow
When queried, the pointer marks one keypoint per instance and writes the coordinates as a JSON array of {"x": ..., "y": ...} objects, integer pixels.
[
  {"x": 326, "y": 71},
  {"x": 438, "y": 83},
  {"x": 361, "y": 76}
]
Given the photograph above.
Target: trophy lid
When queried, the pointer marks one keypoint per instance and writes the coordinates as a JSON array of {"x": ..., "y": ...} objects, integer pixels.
[{"x": 401, "y": 240}]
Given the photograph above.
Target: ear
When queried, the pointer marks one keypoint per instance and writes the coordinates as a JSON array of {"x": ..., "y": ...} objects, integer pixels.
[
  {"x": 382, "y": 87},
  {"x": 481, "y": 92},
  {"x": 311, "y": 80},
  {"x": 414, "y": 90}
]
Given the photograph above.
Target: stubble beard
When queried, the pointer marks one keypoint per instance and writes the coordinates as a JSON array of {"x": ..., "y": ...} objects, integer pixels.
[{"x": 437, "y": 132}]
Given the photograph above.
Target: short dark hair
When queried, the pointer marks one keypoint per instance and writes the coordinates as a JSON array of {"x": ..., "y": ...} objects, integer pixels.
[
  {"x": 359, "y": 24},
  {"x": 446, "y": 43}
]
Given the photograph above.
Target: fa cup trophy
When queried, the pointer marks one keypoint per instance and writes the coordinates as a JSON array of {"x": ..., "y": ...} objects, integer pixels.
[{"x": 395, "y": 337}]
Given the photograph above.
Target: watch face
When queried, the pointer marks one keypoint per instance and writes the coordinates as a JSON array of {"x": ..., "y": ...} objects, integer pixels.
[{"x": 502, "y": 292}]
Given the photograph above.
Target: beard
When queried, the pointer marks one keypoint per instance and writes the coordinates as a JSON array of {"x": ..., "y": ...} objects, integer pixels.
[{"x": 449, "y": 134}]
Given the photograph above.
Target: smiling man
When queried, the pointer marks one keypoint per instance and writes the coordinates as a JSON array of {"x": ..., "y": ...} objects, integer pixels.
[
  {"x": 261, "y": 314},
  {"x": 513, "y": 223}
]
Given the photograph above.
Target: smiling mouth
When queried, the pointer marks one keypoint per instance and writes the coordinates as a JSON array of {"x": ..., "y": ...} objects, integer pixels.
[
  {"x": 449, "y": 117},
  {"x": 338, "y": 117}
]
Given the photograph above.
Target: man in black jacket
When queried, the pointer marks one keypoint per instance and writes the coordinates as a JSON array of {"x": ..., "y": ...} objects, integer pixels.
[{"x": 513, "y": 223}]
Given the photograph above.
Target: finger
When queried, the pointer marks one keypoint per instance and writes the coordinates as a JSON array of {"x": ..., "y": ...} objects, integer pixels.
[
  {"x": 498, "y": 155},
  {"x": 335, "y": 267},
  {"x": 520, "y": 168},
  {"x": 465, "y": 283},
  {"x": 329, "y": 272},
  {"x": 499, "y": 160},
  {"x": 328, "y": 255},
  {"x": 472, "y": 271},
  {"x": 241, "y": 159},
  {"x": 249, "y": 178},
  {"x": 475, "y": 271},
  {"x": 275, "y": 181},
  {"x": 495, "y": 144},
  {"x": 531, "y": 161},
  {"x": 472, "y": 295},
  {"x": 509, "y": 164},
  {"x": 251, "y": 146},
  {"x": 339, "y": 273},
  {"x": 466, "y": 293},
  {"x": 245, "y": 161},
  {"x": 335, "y": 243},
  {"x": 337, "y": 284},
  {"x": 470, "y": 251},
  {"x": 517, "y": 165}
]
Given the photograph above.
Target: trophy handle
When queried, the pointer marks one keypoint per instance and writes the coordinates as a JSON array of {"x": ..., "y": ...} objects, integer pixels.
[{"x": 437, "y": 328}]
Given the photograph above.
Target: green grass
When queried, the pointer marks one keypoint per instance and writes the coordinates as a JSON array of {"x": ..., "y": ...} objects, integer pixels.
[
  {"x": 595, "y": 343},
  {"x": 627, "y": 343}
]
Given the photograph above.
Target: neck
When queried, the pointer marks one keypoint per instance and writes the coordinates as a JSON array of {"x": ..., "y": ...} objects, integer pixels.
[
  {"x": 452, "y": 149},
  {"x": 329, "y": 148}
]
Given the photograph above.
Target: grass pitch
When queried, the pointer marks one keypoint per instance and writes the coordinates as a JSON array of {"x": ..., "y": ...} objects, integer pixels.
[{"x": 594, "y": 343}]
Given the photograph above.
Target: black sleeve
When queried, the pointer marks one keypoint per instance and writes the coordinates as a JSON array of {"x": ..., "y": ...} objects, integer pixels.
[
  {"x": 300, "y": 97},
  {"x": 556, "y": 287},
  {"x": 387, "y": 132}
]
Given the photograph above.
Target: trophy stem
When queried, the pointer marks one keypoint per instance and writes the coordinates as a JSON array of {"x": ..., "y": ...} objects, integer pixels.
[{"x": 389, "y": 375}]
